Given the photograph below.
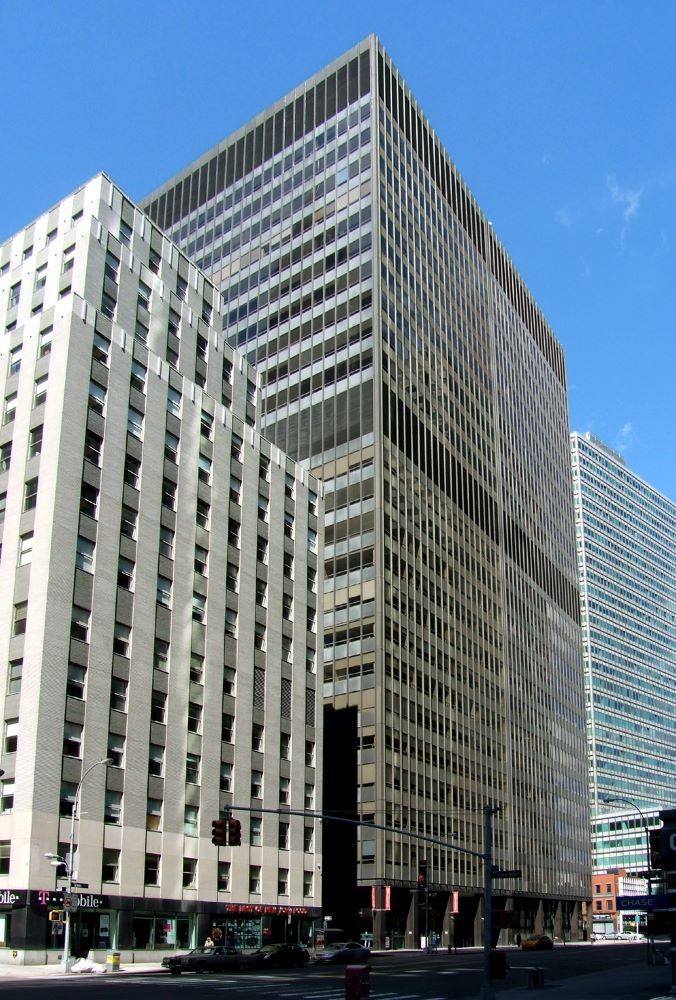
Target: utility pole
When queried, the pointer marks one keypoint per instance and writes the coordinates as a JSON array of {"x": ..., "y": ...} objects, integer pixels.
[
  {"x": 611, "y": 800},
  {"x": 490, "y": 871},
  {"x": 68, "y": 865},
  {"x": 487, "y": 992}
]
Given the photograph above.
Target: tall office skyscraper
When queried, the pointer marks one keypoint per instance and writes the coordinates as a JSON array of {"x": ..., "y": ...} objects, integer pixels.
[
  {"x": 405, "y": 363},
  {"x": 159, "y": 574},
  {"x": 626, "y": 541}
]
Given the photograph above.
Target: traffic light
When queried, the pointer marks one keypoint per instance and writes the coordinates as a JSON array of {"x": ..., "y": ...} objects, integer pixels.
[
  {"x": 658, "y": 923},
  {"x": 422, "y": 875},
  {"x": 57, "y": 916},
  {"x": 655, "y": 849},
  {"x": 219, "y": 832},
  {"x": 234, "y": 832}
]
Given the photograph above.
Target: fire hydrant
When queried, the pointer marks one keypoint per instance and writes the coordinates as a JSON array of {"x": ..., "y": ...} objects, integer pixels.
[{"x": 357, "y": 985}]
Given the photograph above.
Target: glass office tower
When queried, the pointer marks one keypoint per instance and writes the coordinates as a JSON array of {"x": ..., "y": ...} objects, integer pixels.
[
  {"x": 626, "y": 540},
  {"x": 405, "y": 363}
]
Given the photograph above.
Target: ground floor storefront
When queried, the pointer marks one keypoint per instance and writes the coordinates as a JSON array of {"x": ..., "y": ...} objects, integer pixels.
[{"x": 140, "y": 929}]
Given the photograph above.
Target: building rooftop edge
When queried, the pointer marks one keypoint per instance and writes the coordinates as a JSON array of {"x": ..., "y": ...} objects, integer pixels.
[
  {"x": 615, "y": 456},
  {"x": 371, "y": 40}
]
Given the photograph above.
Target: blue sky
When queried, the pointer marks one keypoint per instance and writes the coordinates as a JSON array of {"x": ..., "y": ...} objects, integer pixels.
[{"x": 560, "y": 116}]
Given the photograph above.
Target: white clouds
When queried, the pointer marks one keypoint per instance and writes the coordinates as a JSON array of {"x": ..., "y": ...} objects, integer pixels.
[
  {"x": 629, "y": 201},
  {"x": 624, "y": 439}
]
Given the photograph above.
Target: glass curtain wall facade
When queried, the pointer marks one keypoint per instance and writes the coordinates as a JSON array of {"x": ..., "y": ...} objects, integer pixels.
[
  {"x": 404, "y": 362},
  {"x": 626, "y": 541}
]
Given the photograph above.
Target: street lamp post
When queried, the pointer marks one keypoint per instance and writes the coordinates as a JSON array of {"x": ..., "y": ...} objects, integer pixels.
[
  {"x": 613, "y": 799},
  {"x": 68, "y": 865}
]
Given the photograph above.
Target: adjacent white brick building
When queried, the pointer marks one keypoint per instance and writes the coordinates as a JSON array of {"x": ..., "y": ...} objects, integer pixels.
[{"x": 160, "y": 588}]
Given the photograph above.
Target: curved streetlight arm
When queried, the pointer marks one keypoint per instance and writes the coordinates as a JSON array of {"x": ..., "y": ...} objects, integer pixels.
[
  {"x": 97, "y": 763},
  {"x": 623, "y": 798},
  {"x": 610, "y": 799},
  {"x": 71, "y": 845},
  {"x": 76, "y": 803}
]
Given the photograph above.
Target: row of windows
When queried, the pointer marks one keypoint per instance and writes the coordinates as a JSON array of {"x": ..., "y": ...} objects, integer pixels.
[
  {"x": 261, "y": 180},
  {"x": 113, "y": 802},
  {"x": 81, "y": 617},
  {"x": 67, "y": 264},
  {"x": 109, "y": 298},
  {"x": 72, "y": 747},
  {"x": 407, "y": 125},
  {"x": 90, "y": 496},
  {"x": 45, "y": 339},
  {"x": 39, "y": 398},
  {"x": 279, "y": 131},
  {"x": 278, "y": 199},
  {"x": 109, "y": 301},
  {"x": 593, "y": 456},
  {"x": 112, "y": 862},
  {"x": 25, "y": 554},
  {"x": 28, "y": 252},
  {"x": 73, "y": 732}
]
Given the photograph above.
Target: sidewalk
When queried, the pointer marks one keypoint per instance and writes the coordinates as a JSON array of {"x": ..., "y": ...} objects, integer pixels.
[
  {"x": 643, "y": 982},
  {"x": 54, "y": 971}
]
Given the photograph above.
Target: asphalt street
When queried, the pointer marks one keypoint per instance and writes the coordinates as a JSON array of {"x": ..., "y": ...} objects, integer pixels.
[{"x": 570, "y": 973}]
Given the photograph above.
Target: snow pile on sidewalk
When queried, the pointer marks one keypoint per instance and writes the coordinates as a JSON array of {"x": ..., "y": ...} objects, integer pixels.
[{"x": 86, "y": 965}]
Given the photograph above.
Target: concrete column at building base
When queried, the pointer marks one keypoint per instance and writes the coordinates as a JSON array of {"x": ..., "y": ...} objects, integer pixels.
[
  {"x": 413, "y": 924},
  {"x": 204, "y": 925},
  {"x": 28, "y": 929},
  {"x": 125, "y": 930},
  {"x": 540, "y": 918},
  {"x": 380, "y": 924},
  {"x": 479, "y": 922},
  {"x": 448, "y": 926},
  {"x": 507, "y": 931}
]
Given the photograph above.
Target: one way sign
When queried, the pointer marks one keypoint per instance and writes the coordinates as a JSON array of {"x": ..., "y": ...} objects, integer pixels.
[{"x": 507, "y": 873}]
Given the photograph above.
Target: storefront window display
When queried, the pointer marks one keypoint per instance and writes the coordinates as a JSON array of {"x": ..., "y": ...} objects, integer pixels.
[{"x": 150, "y": 932}]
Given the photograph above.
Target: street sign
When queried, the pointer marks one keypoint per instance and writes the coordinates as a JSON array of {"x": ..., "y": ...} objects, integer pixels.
[
  {"x": 642, "y": 902},
  {"x": 508, "y": 873},
  {"x": 70, "y": 902}
]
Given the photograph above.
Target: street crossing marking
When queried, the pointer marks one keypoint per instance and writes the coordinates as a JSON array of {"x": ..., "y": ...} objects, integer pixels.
[
  {"x": 330, "y": 992},
  {"x": 218, "y": 984}
]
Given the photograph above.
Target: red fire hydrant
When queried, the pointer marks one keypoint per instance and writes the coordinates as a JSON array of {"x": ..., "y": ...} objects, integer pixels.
[{"x": 357, "y": 985}]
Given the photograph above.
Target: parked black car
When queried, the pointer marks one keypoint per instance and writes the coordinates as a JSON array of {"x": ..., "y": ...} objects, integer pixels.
[
  {"x": 281, "y": 956},
  {"x": 216, "y": 959}
]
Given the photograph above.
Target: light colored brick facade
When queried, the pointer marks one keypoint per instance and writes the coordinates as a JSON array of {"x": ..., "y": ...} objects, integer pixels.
[{"x": 160, "y": 592}]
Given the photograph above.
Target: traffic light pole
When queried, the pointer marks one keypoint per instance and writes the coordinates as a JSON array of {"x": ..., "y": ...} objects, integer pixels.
[{"x": 487, "y": 992}]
